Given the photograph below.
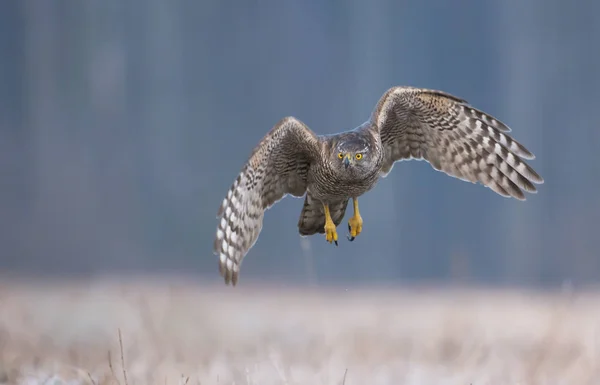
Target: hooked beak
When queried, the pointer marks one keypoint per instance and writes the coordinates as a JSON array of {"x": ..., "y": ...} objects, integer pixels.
[{"x": 347, "y": 161}]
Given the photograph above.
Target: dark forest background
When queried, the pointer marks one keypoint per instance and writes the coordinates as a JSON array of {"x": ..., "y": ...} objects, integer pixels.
[{"x": 123, "y": 124}]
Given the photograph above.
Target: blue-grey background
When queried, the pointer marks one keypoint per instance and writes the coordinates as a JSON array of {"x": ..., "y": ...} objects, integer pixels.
[{"x": 123, "y": 124}]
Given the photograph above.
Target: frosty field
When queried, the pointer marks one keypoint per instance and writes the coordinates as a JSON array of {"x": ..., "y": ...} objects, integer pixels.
[{"x": 179, "y": 332}]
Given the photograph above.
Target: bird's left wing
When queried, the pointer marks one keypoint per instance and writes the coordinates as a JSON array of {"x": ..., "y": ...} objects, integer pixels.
[
  {"x": 454, "y": 138},
  {"x": 278, "y": 166}
]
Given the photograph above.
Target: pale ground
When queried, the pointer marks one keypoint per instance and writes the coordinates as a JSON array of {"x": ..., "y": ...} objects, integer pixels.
[{"x": 52, "y": 334}]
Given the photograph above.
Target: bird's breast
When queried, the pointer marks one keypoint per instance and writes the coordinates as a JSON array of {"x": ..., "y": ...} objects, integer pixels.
[{"x": 327, "y": 184}]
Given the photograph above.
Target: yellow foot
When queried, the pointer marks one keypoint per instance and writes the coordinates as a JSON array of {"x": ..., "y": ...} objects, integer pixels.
[
  {"x": 355, "y": 225},
  {"x": 330, "y": 233}
]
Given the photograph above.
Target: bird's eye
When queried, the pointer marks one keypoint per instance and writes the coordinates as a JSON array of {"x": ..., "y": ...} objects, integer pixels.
[
  {"x": 340, "y": 155},
  {"x": 358, "y": 156}
]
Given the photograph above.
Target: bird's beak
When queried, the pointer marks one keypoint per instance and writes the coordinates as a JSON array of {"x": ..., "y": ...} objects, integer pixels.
[{"x": 347, "y": 161}]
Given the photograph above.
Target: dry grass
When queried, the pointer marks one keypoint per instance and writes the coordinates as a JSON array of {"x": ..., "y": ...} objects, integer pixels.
[{"x": 192, "y": 334}]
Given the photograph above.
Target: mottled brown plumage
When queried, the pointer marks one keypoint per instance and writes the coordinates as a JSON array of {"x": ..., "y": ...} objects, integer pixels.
[{"x": 329, "y": 170}]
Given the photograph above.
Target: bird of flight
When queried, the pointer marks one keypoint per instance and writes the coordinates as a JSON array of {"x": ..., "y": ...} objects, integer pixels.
[{"x": 407, "y": 123}]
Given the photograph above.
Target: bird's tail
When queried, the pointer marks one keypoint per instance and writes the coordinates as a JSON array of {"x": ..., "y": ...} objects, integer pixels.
[{"x": 312, "y": 217}]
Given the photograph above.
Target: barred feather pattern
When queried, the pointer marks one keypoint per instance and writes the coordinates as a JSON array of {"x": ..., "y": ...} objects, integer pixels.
[
  {"x": 312, "y": 217},
  {"x": 278, "y": 166},
  {"x": 455, "y": 138}
]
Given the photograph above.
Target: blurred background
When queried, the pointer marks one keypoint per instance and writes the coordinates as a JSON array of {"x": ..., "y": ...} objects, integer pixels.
[{"x": 123, "y": 124}]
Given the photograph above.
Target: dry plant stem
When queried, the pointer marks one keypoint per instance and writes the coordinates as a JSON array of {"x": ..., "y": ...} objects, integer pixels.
[
  {"x": 123, "y": 358},
  {"x": 344, "y": 379},
  {"x": 112, "y": 370}
]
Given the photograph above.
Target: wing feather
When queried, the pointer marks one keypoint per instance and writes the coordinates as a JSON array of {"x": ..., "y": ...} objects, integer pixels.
[
  {"x": 278, "y": 166},
  {"x": 455, "y": 138}
]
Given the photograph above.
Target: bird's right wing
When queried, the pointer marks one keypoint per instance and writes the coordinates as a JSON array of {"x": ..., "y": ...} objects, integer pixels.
[{"x": 278, "y": 166}]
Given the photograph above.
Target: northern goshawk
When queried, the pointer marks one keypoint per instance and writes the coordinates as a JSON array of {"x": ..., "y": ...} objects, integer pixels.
[{"x": 406, "y": 123}]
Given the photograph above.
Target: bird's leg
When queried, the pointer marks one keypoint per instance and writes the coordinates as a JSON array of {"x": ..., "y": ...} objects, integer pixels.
[
  {"x": 355, "y": 223},
  {"x": 330, "y": 233}
]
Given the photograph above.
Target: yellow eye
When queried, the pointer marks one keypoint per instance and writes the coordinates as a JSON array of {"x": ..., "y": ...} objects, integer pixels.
[
  {"x": 358, "y": 156},
  {"x": 340, "y": 155}
]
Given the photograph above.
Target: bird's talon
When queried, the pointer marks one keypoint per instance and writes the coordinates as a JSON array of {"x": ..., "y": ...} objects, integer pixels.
[
  {"x": 331, "y": 233},
  {"x": 354, "y": 226},
  {"x": 348, "y": 236}
]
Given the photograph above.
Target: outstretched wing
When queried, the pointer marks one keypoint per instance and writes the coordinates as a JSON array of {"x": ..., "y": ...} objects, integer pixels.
[
  {"x": 453, "y": 137},
  {"x": 278, "y": 166}
]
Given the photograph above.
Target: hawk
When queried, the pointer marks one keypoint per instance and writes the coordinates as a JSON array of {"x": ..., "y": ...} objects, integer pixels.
[{"x": 329, "y": 170}]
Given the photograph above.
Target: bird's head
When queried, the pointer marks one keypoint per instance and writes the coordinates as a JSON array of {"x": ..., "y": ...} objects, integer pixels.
[{"x": 353, "y": 155}]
